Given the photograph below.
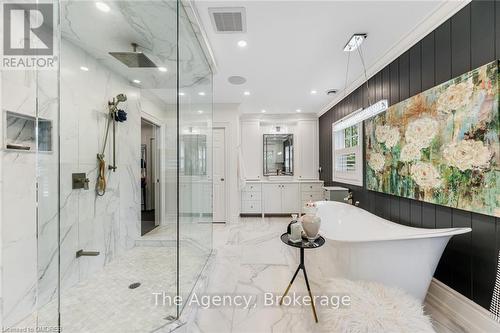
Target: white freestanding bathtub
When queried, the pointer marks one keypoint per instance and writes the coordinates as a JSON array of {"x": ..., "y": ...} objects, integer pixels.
[{"x": 363, "y": 246}]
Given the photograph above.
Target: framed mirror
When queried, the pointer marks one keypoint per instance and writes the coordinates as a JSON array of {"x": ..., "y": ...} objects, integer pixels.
[{"x": 278, "y": 155}]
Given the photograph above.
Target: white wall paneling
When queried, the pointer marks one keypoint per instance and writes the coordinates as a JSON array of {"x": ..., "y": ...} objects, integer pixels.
[
  {"x": 251, "y": 146},
  {"x": 308, "y": 149}
]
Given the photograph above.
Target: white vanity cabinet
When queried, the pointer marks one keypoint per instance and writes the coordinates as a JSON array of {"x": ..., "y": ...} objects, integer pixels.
[
  {"x": 273, "y": 197},
  {"x": 251, "y": 198},
  {"x": 280, "y": 198},
  {"x": 311, "y": 191}
]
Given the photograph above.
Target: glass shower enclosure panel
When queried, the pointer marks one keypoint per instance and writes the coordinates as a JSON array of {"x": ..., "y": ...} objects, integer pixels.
[
  {"x": 29, "y": 100},
  {"x": 195, "y": 155},
  {"x": 72, "y": 253},
  {"x": 118, "y": 67}
]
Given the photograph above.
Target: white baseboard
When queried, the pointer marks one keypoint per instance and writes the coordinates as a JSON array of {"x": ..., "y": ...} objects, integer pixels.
[{"x": 459, "y": 309}]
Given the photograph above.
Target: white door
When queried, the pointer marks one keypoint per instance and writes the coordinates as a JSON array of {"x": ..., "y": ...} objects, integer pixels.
[
  {"x": 219, "y": 149},
  {"x": 271, "y": 198}
]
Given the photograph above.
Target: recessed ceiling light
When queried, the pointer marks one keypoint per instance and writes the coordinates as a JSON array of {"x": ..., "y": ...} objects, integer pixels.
[
  {"x": 200, "y": 111},
  {"x": 263, "y": 111},
  {"x": 242, "y": 43},
  {"x": 201, "y": 93},
  {"x": 85, "y": 69},
  {"x": 298, "y": 110},
  {"x": 102, "y": 7},
  {"x": 136, "y": 81},
  {"x": 246, "y": 93},
  {"x": 314, "y": 92},
  {"x": 162, "y": 69},
  {"x": 354, "y": 42},
  {"x": 181, "y": 94}
]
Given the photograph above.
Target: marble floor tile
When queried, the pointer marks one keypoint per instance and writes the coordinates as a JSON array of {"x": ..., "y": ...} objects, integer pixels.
[
  {"x": 250, "y": 259},
  {"x": 105, "y": 303}
]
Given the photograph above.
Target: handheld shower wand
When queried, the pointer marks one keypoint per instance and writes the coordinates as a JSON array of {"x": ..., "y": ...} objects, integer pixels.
[
  {"x": 113, "y": 114},
  {"x": 112, "y": 117}
]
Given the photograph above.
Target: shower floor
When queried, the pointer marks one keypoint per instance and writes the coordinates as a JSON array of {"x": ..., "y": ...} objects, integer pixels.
[{"x": 104, "y": 303}]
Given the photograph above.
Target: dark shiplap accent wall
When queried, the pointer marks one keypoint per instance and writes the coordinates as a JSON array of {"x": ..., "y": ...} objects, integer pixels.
[{"x": 466, "y": 41}]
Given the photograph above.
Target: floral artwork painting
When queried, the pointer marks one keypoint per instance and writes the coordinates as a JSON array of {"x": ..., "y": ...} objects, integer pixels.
[{"x": 442, "y": 145}]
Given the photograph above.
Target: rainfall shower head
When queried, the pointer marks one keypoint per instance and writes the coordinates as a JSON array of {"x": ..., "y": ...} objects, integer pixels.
[{"x": 134, "y": 58}]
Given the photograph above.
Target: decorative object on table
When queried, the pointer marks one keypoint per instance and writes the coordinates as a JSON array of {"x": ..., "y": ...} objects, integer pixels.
[
  {"x": 294, "y": 229},
  {"x": 373, "y": 307},
  {"x": 318, "y": 242},
  {"x": 294, "y": 219},
  {"x": 310, "y": 221},
  {"x": 442, "y": 145}
]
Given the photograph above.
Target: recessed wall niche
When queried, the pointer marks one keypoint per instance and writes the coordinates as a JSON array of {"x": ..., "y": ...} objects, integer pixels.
[{"x": 20, "y": 133}]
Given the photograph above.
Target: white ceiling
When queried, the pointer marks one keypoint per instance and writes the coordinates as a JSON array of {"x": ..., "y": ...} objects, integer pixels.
[
  {"x": 296, "y": 46},
  {"x": 152, "y": 25}
]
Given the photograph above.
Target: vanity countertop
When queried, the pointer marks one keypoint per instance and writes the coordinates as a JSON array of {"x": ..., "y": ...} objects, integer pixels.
[
  {"x": 335, "y": 188},
  {"x": 285, "y": 181}
]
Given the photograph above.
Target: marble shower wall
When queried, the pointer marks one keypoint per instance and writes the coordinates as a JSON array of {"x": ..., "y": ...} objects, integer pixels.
[
  {"x": 108, "y": 224},
  {"x": 24, "y": 259},
  {"x": 19, "y": 245}
]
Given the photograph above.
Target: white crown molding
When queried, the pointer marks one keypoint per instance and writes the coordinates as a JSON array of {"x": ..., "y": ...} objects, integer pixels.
[
  {"x": 283, "y": 118},
  {"x": 429, "y": 24},
  {"x": 458, "y": 309}
]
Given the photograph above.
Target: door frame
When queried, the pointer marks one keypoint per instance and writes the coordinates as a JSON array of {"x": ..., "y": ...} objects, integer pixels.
[
  {"x": 223, "y": 125},
  {"x": 159, "y": 135}
]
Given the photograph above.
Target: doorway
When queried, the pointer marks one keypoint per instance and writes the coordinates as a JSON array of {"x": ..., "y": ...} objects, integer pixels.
[
  {"x": 150, "y": 182},
  {"x": 219, "y": 174}
]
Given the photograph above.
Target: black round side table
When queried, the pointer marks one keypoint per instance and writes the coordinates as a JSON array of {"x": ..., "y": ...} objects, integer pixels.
[{"x": 304, "y": 244}]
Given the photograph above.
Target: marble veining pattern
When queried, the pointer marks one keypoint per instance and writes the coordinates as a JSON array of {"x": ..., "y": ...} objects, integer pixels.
[
  {"x": 108, "y": 224},
  {"x": 244, "y": 261},
  {"x": 105, "y": 303}
]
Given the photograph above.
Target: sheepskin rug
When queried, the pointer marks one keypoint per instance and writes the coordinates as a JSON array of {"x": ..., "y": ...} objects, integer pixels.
[{"x": 374, "y": 309}]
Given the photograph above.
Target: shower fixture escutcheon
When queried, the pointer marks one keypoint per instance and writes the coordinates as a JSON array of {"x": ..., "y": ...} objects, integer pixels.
[{"x": 80, "y": 181}]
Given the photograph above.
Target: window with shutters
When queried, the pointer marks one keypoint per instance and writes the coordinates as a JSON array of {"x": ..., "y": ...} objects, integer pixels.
[{"x": 348, "y": 154}]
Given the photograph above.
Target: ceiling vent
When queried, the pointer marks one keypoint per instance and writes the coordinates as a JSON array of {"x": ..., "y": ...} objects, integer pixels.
[{"x": 227, "y": 20}]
